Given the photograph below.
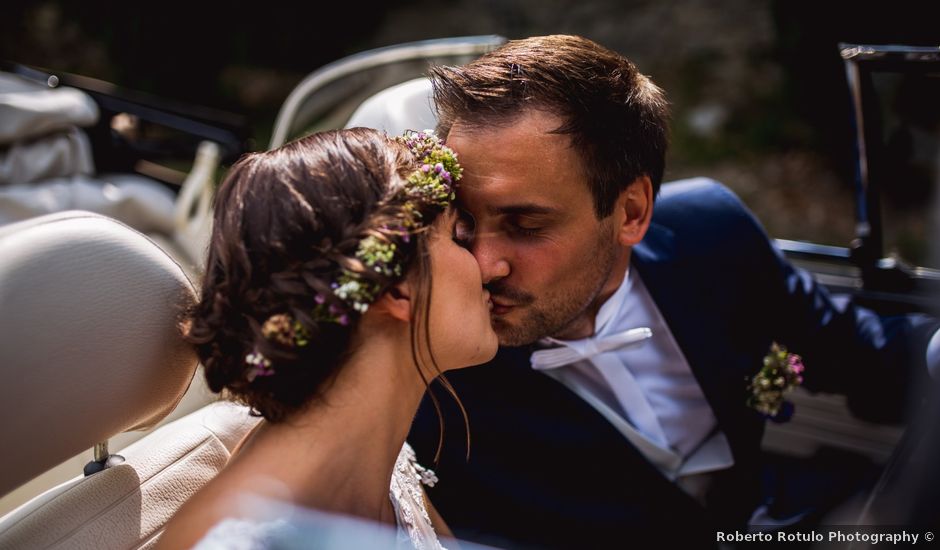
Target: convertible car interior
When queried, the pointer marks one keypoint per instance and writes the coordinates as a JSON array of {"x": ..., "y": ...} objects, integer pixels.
[{"x": 108, "y": 427}]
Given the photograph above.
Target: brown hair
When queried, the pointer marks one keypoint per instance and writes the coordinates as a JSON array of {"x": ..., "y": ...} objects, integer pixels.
[
  {"x": 286, "y": 222},
  {"x": 616, "y": 117}
]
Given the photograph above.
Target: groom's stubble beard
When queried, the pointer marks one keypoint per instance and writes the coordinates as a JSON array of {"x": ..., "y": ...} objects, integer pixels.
[{"x": 554, "y": 312}]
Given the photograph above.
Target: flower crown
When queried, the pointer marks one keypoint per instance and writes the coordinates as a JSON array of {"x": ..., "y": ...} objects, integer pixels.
[{"x": 430, "y": 187}]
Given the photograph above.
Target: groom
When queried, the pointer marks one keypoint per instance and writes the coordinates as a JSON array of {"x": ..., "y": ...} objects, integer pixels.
[{"x": 631, "y": 317}]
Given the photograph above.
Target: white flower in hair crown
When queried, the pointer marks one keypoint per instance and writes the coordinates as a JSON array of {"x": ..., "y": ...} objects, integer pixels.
[{"x": 431, "y": 186}]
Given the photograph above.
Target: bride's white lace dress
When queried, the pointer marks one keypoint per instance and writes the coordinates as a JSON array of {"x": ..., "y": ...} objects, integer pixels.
[{"x": 414, "y": 529}]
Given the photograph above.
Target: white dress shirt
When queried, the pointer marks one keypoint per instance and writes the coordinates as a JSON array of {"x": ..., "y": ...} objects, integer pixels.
[
  {"x": 645, "y": 387},
  {"x": 633, "y": 373}
]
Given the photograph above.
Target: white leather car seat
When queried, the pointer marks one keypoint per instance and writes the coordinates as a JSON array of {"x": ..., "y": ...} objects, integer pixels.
[
  {"x": 89, "y": 312},
  {"x": 46, "y": 166},
  {"x": 407, "y": 106}
]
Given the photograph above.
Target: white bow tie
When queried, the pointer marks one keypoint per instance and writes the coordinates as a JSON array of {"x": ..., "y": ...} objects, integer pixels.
[{"x": 559, "y": 357}]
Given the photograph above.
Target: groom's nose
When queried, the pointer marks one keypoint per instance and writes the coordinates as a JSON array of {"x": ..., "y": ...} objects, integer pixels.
[{"x": 492, "y": 253}]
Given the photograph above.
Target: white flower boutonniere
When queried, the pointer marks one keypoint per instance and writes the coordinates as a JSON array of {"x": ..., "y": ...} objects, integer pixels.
[{"x": 782, "y": 371}]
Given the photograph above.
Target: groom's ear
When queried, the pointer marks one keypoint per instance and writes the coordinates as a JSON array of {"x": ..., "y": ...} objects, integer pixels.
[
  {"x": 634, "y": 210},
  {"x": 396, "y": 301}
]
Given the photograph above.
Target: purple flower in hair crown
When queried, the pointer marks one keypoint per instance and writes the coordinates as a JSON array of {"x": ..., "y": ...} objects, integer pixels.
[
  {"x": 439, "y": 170},
  {"x": 781, "y": 372}
]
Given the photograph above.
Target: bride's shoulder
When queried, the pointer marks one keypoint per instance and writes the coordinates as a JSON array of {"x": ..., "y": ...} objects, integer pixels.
[
  {"x": 232, "y": 533},
  {"x": 223, "y": 506}
]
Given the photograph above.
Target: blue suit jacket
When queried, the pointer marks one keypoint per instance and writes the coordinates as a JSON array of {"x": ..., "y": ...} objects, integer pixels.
[{"x": 546, "y": 470}]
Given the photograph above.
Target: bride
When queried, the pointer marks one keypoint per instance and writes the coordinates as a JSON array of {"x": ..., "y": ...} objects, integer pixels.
[{"x": 335, "y": 291}]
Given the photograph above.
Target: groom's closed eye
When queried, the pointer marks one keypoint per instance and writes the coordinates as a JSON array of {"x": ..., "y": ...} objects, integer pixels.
[
  {"x": 525, "y": 227},
  {"x": 528, "y": 225},
  {"x": 526, "y": 220}
]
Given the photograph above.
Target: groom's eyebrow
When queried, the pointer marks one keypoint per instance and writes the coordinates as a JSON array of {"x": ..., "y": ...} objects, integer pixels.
[{"x": 525, "y": 209}]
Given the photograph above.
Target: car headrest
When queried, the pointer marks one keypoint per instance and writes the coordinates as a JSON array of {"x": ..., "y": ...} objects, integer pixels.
[
  {"x": 407, "y": 106},
  {"x": 89, "y": 335}
]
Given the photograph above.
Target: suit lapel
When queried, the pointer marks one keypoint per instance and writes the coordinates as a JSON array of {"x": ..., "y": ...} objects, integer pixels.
[
  {"x": 685, "y": 293},
  {"x": 551, "y": 405}
]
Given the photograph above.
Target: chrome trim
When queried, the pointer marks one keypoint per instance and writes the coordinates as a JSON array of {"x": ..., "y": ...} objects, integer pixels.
[
  {"x": 926, "y": 273},
  {"x": 813, "y": 250},
  {"x": 801, "y": 250},
  {"x": 465, "y": 45},
  {"x": 863, "y": 224},
  {"x": 856, "y": 52},
  {"x": 101, "y": 451}
]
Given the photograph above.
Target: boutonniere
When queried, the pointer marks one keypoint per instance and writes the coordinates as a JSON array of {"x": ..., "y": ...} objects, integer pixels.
[{"x": 782, "y": 371}]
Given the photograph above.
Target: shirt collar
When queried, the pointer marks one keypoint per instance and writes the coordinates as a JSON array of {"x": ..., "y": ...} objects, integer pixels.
[{"x": 604, "y": 320}]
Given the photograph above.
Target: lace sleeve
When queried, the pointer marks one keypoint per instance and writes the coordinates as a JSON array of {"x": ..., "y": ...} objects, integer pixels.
[{"x": 407, "y": 497}]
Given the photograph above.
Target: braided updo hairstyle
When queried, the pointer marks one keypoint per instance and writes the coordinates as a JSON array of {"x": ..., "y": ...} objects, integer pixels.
[{"x": 286, "y": 223}]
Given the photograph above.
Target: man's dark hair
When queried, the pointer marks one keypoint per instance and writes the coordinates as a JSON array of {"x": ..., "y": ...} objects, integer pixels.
[{"x": 616, "y": 117}]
